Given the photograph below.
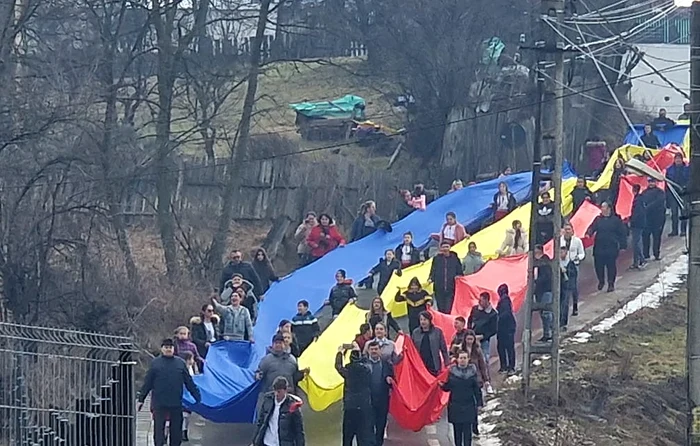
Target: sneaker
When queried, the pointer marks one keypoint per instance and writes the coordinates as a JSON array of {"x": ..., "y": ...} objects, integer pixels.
[
  {"x": 489, "y": 389},
  {"x": 502, "y": 371},
  {"x": 673, "y": 234},
  {"x": 600, "y": 286},
  {"x": 511, "y": 372},
  {"x": 657, "y": 259},
  {"x": 642, "y": 265},
  {"x": 633, "y": 267},
  {"x": 611, "y": 288},
  {"x": 682, "y": 234},
  {"x": 575, "y": 312}
]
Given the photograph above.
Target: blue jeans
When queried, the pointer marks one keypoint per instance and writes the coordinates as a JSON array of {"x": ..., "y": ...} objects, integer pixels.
[
  {"x": 564, "y": 304},
  {"x": 546, "y": 316},
  {"x": 637, "y": 246},
  {"x": 486, "y": 349}
]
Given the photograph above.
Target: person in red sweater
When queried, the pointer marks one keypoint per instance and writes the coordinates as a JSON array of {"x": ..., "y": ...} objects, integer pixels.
[{"x": 324, "y": 237}]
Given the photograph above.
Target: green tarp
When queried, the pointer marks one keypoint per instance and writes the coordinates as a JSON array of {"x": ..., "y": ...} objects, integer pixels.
[{"x": 349, "y": 107}]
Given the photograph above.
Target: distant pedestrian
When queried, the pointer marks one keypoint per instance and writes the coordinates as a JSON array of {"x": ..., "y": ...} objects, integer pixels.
[
  {"x": 473, "y": 261},
  {"x": 456, "y": 185},
  {"x": 205, "y": 329},
  {"x": 567, "y": 271},
  {"x": 452, "y": 231},
  {"x": 506, "y": 331},
  {"x": 166, "y": 378},
  {"x": 577, "y": 254},
  {"x": 290, "y": 340},
  {"x": 679, "y": 173},
  {"x": 417, "y": 301},
  {"x": 544, "y": 221},
  {"x": 382, "y": 380},
  {"x": 543, "y": 289},
  {"x": 184, "y": 344},
  {"x": 430, "y": 343},
  {"x": 648, "y": 139},
  {"x": 483, "y": 319},
  {"x": 367, "y": 221},
  {"x": 386, "y": 345},
  {"x": 637, "y": 222},
  {"x": 280, "y": 422},
  {"x": 581, "y": 193},
  {"x": 279, "y": 362},
  {"x": 245, "y": 290},
  {"x": 357, "y": 397},
  {"x": 300, "y": 236},
  {"x": 378, "y": 313},
  {"x": 341, "y": 294},
  {"x": 324, "y": 237},
  {"x": 655, "y": 200},
  {"x": 386, "y": 266},
  {"x": 305, "y": 326},
  {"x": 264, "y": 269},
  {"x": 465, "y": 399},
  {"x": 614, "y": 189},
  {"x": 515, "y": 242},
  {"x": 445, "y": 268},
  {"x": 235, "y": 320},
  {"x": 406, "y": 252},
  {"x": 460, "y": 326},
  {"x": 364, "y": 336},
  {"x": 610, "y": 237},
  {"x": 236, "y": 265},
  {"x": 503, "y": 202}
]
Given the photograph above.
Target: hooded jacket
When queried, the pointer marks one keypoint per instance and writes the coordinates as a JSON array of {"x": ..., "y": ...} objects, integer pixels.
[
  {"x": 199, "y": 333},
  {"x": 511, "y": 247},
  {"x": 279, "y": 364},
  {"x": 416, "y": 303},
  {"x": 413, "y": 252},
  {"x": 465, "y": 394},
  {"x": 443, "y": 271},
  {"x": 357, "y": 392},
  {"x": 246, "y": 271},
  {"x": 340, "y": 294},
  {"x": 324, "y": 239},
  {"x": 472, "y": 263},
  {"x": 385, "y": 270},
  {"x": 290, "y": 424},
  {"x": 506, "y": 319},
  {"x": 265, "y": 271},
  {"x": 250, "y": 301},
  {"x": 305, "y": 327}
]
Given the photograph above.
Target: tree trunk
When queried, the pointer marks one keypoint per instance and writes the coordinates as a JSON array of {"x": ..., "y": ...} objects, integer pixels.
[{"x": 239, "y": 151}]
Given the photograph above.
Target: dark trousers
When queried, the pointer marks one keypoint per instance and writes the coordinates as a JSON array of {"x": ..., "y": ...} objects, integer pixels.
[
  {"x": 573, "y": 286},
  {"x": 367, "y": 282},
  {"x": 160, "y": 416},
  {"x": 652, "y": 233},
  {"x": 602, "y": 262},
  {"x": 379, "y": 418},
  {"x": 444, "y": 300},
  {"x": 357, "y": 423},
  {"x": 675, "y": 216},
  {"x": 463, "y": 434},
  {"x": 506, "y": 350},
  {"x": 564, "y": 305}
]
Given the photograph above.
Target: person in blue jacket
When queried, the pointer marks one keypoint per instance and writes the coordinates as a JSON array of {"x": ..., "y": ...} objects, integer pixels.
[{"x": 679, "y": 173}]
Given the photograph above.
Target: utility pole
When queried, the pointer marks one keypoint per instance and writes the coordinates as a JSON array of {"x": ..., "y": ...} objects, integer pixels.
[
  {"x": 693, "y": 327},
  {"x": 549, "y": 130}
]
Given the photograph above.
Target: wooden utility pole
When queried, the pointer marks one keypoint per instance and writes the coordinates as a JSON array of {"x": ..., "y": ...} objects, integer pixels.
[
  {"x": 549, "y": 133},
  {"x": 693, "y": 327}
]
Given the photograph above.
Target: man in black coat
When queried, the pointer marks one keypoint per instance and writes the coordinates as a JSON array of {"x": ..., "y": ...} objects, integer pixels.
[
  {"x": 655, "y": 201},
  {"x": 679, "y": 173},
  {"x": 279, "y": 421},
  {"x": 543, "y": 289},
  {"x": 610, "y": 237},
  {"x": 650, "y": 140},
  {"x": 236, "y": 265},
  {"x": 381, "y": 380},
  {"x": 446, "y": 267},
  {"x": 166, "y": 378},
  {"x": 357, "y": 397},
  {"x": 638, "y": 221}
]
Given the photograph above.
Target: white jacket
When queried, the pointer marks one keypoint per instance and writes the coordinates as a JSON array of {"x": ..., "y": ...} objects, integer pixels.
[{"x": 576, "y": 251}]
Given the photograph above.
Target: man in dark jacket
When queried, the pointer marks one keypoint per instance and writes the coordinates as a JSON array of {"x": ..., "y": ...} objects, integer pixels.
[
  {"x": 543, "y": 289},
  {"x": 506, "y": 331},
  {"x": 662, "y": 122},
  {"x": 279, "y": 363},
  {"x": 357, "y": 397},
  {"x": 637, "y": 222},
  {"x": 406, "y": 253},
  {"x": 279, "y": 419},
  {"x": 483, "y": 319},
  {"x": 650, "y": 140},
  {"x": 610, "y": 237},
  {"x": 381, "y": 380},
  {"x": 446, "y": 267},
  {"x": 655, "y": 200},
  {"x": 679, "y": 173},
  {"x": 236, "y": 265},
  {"x": 581, "y": 193},
  {"x": 341, "y": 294},
  {"x": 166, "y": 378},
  {"x": 305, "y": 326}
]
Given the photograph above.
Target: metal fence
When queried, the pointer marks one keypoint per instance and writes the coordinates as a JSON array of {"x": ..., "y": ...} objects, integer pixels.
[{"x": 65, "y": 388}]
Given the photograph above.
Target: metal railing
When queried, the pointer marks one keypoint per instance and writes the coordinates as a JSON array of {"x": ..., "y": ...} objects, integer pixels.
[{"x": 65, "y": 388}]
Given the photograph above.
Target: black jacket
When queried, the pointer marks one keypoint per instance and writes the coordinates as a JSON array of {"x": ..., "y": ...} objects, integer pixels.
[
  {"x": 387, "y": 320},
  {"x": 290, "y": 422},
  {"x": 246, "y": 270},
  {"x": 465, "y": 394},
  {"x": 416, "y": 303},
  {"x": 483, "y": 323},
  {"x": 340, "y": 295},
  {"x": 543, "y": 282},
  {"x": 380, "y": 392},
  {"x": 356, "y": 392},
  {"x": 414, "y": 253},
  {"x": 384, "y": 270},
  {"x": 166, "y": 378},
  {"x": 655, "y": 201},
  {"x": 444, "y": 270},
  {"x": 266, "y": 274},
  {"x": 638, "y": 218},
  {"x": 305, "y": 327},
  {"x": 512, "y": 204},
  {"x": 506, "y": 319},
  {"x": 650, "y": 141},
  {"x": 579, "y": 195},
  {"x": 610, "y": 235},
  {"x": 199, "y": 333},
  {"x": 403, "y": 209}
]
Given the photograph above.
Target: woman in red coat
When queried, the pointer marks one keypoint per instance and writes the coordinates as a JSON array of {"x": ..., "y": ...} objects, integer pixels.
[{"x": 324, "y": 237}]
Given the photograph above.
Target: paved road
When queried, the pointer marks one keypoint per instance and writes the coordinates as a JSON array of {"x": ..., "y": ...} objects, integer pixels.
[{"x": 323, "y": 428}]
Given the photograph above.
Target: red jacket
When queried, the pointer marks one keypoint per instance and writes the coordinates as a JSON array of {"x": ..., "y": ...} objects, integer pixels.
[{"x": 324, "y": 239}]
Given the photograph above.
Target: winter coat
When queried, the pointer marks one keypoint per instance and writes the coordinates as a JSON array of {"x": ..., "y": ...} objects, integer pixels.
[
  {"x": 360, "y": 230},
  {"x": 610, "y": 235},
  {"x": 166, "y": 378},
  {"x": 472, "y": 263},
  {"x": 512, "y": 204},
  {"x": 650, "y": 141},
  {"x": 579, "y": 195},
  {"x": 246, "y": 271},
  {"x": 357, "y": 375},
  {"x": 279, "y": 364},
  {"x": 250, "y": 301},
  {"x": 380, "y": 391},
  {"x": 545, "y": 217},
  {"x": 306, "y": 329},
  {"x": 290, "y": 422},
  {"x": 387, "y": 319},
  {"x": 340, "y": 294},
  {"x": 460, "y": 233},
  {"x": 438, "y": 345},
  {"x": 638, "y": 219},
  {"x": 679, "y": 174},
  {"x": 266, "y": 273},
  {"x": 482, "y": 322},
  {"x": 543, "y": 280},
  {"x": 509, "y": 247},
  {"x": 416, "y": 303},
  {"x": 236, "y": 324},
  {"x": 655, "y": 200},
  {"x": 300, "y": 235},
  {"x": 324, "y": 239},
  {"x": 444, "y": 270},
  {"x": 385, "y": 270},
  {"x": 182, "y": 346},
  {"x": 199, "y": 333},
  {"x": 414, "y": 253},
  {"x": 465, "y": 394},
  {"x": 506, "y": 318}
]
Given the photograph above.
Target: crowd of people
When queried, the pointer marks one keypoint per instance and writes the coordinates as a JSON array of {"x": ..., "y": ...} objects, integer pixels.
[{"x": 369, "y": 375}]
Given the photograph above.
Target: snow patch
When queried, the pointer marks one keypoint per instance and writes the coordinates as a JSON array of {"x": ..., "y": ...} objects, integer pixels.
[{"x": 487, "y": 436}]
